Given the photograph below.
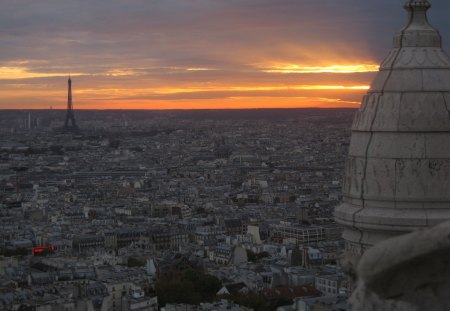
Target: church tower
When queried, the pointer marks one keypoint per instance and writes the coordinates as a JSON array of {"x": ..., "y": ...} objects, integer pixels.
[{"x": 397, "y": 175}]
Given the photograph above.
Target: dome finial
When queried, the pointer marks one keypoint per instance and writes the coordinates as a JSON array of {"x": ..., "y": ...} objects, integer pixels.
[
  {"x": 418, "y": 32},
  {"x": 422, "y": 4},
  {"x": 418, "y": 13}
]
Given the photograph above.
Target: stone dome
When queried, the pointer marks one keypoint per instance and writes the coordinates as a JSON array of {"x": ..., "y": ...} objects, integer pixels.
[{"x": 397, "y": 176}]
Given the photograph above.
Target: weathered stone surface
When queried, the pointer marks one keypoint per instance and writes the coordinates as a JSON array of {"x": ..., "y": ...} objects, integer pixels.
[
  {"x": 414, "y": 111},
  {"x": 437, "y": 145},
  {"x": 408, "y": 179},
  {"x": 406, "y": 273},
  {"x": 392, "y": 145},
  {"x": 414, "y": 58},
  {"x": 398, "y": 169}
]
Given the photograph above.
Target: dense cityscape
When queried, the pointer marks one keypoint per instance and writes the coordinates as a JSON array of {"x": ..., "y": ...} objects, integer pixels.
[
  {"x": 172, "y": 210},
  {"x": 192, "y": 175}
]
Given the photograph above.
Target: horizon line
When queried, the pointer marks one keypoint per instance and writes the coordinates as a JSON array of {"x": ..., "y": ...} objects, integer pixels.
[{"x": 187, "y": 109}]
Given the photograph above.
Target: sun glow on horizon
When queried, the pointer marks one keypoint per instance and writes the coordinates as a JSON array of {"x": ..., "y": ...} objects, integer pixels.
[
  {"x": 123, "y": 87},
  {"x": 323, "y": 69},
  {"x": 165, "y": 91},
  {"x": 235, "y": 102},
  {"x": 124, "y": 93}
]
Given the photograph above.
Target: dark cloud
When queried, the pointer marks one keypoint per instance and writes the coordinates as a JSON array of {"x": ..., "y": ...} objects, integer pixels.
[{"x": 179, "y": 31}]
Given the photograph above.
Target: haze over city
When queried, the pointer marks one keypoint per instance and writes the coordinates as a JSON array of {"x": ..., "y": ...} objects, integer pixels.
[{"x": 198, "y": 54}]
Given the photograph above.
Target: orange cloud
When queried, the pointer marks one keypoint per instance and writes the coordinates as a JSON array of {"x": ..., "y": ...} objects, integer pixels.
[
  {"x": 16, "y": 73},
  {"x": 323, "y": 69},
  {"x": 187, "y": 87}
]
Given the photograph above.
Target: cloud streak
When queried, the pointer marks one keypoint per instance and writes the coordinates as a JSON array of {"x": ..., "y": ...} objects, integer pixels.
[{"x": 215, "y": 47}]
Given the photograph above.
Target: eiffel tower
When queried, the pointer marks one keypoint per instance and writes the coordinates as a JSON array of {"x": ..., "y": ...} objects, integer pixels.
[{"x": 70, "y": 117}]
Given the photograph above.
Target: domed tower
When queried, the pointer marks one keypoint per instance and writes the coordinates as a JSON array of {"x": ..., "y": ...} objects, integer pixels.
[{"x": 397, "y": 175}]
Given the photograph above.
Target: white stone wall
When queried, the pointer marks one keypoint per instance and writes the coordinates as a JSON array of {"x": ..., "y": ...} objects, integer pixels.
[{"x": 397, "y": 175}]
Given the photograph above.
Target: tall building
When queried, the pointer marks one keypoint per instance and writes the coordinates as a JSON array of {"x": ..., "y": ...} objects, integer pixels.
[
  {"x": 397, "y": 175},
  {"x": 70, "y": 117},
  {"x": 29, "y": 121}
]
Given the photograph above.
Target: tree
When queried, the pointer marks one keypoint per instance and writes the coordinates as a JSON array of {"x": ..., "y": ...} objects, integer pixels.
[
  {"x": 135, "y": 262},
  {"x": 193, "y": 287},
  {"x": 14, "y": 252},
  {"x": 251, "y": 300}
]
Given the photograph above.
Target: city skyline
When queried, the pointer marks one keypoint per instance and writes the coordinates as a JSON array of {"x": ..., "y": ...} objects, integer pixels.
[{"x": 196, "y": 55}]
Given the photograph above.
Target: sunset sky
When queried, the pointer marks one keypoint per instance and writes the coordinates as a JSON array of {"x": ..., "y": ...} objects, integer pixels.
[{"x": 188, "y": 54}]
